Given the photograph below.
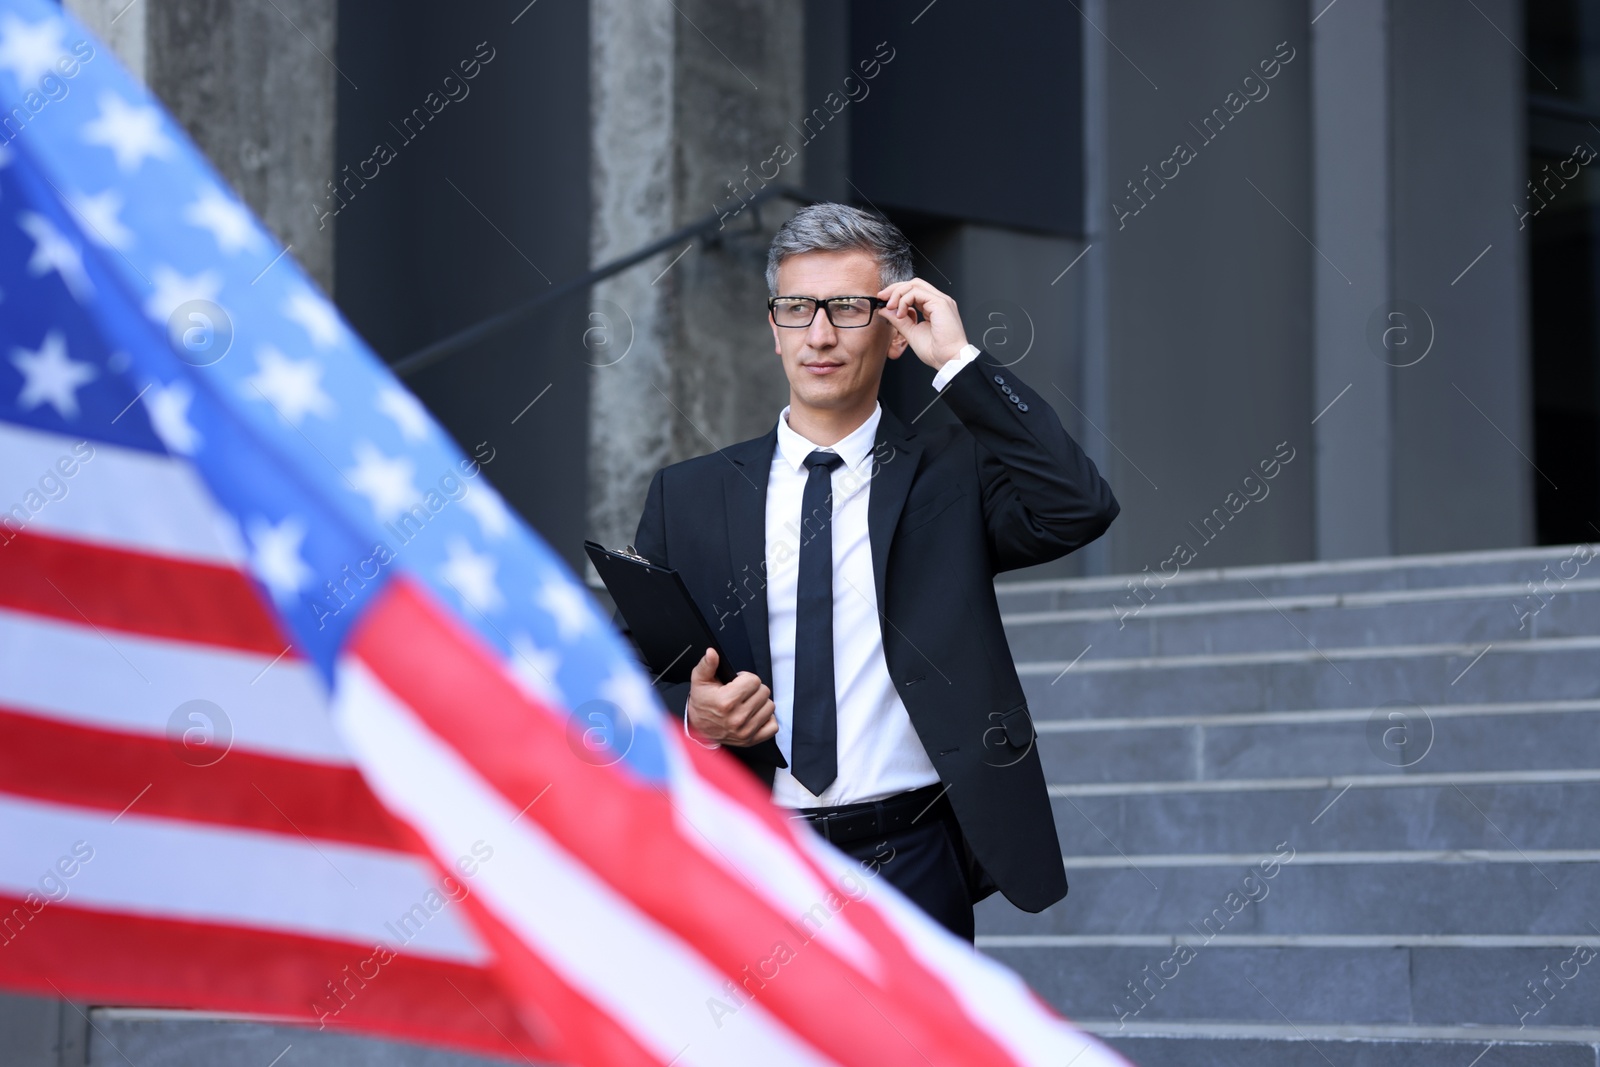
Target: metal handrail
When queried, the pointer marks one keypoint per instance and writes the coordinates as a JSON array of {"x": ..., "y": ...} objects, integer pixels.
[{"x": 464, "y": 339}]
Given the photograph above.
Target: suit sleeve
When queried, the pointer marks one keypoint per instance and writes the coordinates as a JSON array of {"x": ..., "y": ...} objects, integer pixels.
[
  {"x": 1042, "y": 495},
  {"x": 650, "y": 541}
]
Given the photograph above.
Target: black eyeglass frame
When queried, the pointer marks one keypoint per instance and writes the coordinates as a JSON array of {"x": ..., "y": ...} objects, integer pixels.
[{"x": 874, "y": 305}]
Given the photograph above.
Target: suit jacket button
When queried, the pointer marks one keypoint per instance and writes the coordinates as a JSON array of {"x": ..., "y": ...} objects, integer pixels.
[
  {"x": 1013, "y": 397},
  {"x": 1006, "y": 389},
  {"x": 999, "y": 380},
  {"x": 1022, "y": 407}
]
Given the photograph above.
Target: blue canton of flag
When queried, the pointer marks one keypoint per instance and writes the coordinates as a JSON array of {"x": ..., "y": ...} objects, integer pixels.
[{"x": 142, "y": 305}]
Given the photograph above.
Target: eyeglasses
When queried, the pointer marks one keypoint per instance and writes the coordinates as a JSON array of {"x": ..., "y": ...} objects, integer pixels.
[{"x": 849, "y": 312}]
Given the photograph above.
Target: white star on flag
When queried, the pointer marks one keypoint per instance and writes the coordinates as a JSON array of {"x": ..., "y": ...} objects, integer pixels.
[
  {"x": 173, "y": 290},
  {"x": 635, "y": 697},
  {"x": 294, "y": 389},
  {"x": 567, "y": 603},
  {"x": 50, "y": 377},
  {"x": 485, "y": 505},
  {"x": 321, "y": 322},
  {"x": 133, "y": 134},
  {"x": 168, "y": 406},
  {"x": 387, "y": 483},
  {"x": 472, "y": 575},
  {"x": 99, "y": 217},
  {"x": 534, "y": 669},
  {"x": 275, "y": 556},
  {"x": 53, "y": 252},
  {"x": 227, "y": 219},
  {"x": 30, "y": 51},
  {"x": 406, "y": 411}
]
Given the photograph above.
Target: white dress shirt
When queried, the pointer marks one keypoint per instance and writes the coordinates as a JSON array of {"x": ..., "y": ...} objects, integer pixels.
[
  {"x": 879, "y": 750},
  {"x": 967, "y": 354}
]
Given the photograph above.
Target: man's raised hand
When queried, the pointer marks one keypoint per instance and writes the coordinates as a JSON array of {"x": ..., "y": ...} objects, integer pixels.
[{"x": 939, "y": 337}]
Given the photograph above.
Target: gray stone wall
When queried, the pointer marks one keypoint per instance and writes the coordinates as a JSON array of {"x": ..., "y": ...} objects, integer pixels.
[
  {"x": 254, "y": 85},
  {"x": 687, "y": 103}
]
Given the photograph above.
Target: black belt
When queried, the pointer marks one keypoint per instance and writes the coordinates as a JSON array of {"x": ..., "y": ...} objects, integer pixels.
[{"x": 872, "y": 818}]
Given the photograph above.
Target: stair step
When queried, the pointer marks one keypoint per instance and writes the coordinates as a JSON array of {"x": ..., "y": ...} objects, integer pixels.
[
  {"x": 1518, "y": 566},
  {"x": 1388, "y": 817},
  {"x": 1196, "y": 942},
  {"x": 1558, "y": 668},
  {"x": 1538, "y": 899},
  {"x": 1396, "y": 985},
  {"x": 1381, "y": 740},
  {"x": 1352, "y": 781},
  {"x": 1462, "y": 615},
  {"x": 121, "y": 1036},
  {"x": 1311, "y": 1044}
]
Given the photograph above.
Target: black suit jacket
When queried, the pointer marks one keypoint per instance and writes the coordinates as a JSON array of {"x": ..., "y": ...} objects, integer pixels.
[{"x": 948, "y": 509}]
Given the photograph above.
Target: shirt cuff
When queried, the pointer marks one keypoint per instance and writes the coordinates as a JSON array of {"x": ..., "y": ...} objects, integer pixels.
[{"x": 967, "y": 354}]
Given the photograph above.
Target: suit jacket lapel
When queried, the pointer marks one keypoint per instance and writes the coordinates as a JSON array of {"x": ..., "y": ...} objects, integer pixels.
[
  {"x": 895, "y": 454},
  {"x": 744, "y": 490}
]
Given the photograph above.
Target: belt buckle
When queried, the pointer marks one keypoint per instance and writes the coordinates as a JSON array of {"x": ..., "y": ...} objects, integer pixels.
[{"x": 818, "y": 822}]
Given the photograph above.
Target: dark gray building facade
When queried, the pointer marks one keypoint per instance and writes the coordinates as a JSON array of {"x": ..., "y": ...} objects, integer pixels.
[{"x": 1309, "y": 281}]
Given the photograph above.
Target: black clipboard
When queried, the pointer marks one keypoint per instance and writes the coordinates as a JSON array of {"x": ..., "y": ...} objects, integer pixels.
[
  {"x": 666, "y": 626},
  {"x": 663, "y": 621}
]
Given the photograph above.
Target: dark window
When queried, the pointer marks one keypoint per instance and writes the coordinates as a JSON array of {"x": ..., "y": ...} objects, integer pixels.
[{"x": 1560, "y": 206}]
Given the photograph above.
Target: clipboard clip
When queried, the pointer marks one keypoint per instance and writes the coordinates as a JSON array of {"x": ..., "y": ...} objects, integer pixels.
[{"x": 631, "y": 554}]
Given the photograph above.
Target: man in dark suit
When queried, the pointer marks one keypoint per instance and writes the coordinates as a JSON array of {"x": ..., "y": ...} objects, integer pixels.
[{"x": 847, "y": 562}]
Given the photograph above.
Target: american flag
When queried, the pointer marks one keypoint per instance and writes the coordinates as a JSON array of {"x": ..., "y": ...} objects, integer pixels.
[{"x": 299, "y": 720}]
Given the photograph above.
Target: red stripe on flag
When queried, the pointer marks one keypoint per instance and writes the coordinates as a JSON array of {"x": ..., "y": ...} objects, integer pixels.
[
  {"x": 627, "y": 832},
  {"x": 110, "y": 958},
  {"x": 157, "y": 596},
  {"x": 105, "y": 769}
]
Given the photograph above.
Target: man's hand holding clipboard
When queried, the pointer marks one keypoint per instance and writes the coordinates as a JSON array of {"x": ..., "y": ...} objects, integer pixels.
[
  {"x": 667, "y": 629},
  {"x": 740, "y": 712}
]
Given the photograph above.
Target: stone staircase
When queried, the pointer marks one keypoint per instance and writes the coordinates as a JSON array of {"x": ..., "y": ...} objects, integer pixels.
[
  {"x": 1337, "y": 813},
  {"x": 1340, "y": 813}
]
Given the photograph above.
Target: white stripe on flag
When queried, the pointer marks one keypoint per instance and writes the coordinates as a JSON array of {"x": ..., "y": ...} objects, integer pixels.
[
  {"x": 730, "y": 835},
  {"x": 124, "y": 497},
  {"x": 73, "y": 673},
  {"x": 643, "y": 975},
  {"x": 996, "y": 999},
  {"x": 194, "y": 872}
]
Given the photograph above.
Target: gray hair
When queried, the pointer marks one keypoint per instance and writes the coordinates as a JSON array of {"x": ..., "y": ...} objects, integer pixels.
[{"x": 832, "y": 227}]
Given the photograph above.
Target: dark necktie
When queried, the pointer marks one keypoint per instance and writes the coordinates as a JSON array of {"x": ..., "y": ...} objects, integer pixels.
[{"x": 814, "y": 742}]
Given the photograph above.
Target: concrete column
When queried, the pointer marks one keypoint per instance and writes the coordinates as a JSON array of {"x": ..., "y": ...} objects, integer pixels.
[
  {"x": 1199, "y": 224},
  {"x": 1421, "y": 357},
  {"x": 1351, "y": 164},
  {"x": 1463, "y": 436},
  {"x": 690, "y": 102},
  {"x": 118, "y": 23},
  {"x": 630, "y": 387},
  {"x": 1092, "y": 280},
  {"x": 254, "y": 85}
]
